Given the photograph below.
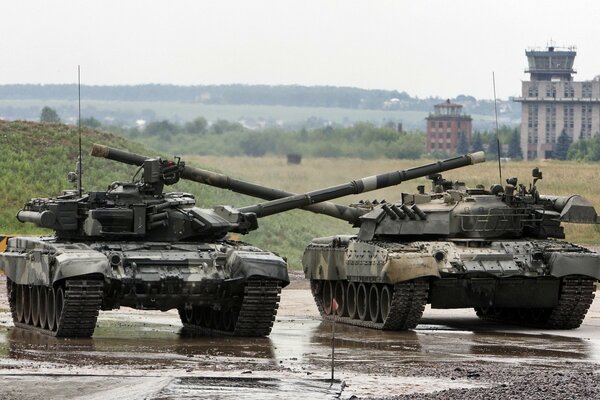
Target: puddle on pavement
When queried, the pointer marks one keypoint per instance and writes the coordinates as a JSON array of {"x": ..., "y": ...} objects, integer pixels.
[{"x": 295, "y": 359}]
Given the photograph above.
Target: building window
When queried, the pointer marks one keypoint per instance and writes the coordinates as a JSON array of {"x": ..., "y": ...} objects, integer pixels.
[
  {"x": 440, "y": 124},
  {"x": 550, "y": 123},
  {"x": 551, "y": 90},
  {"x": 586, "y": 121},
  {"x": 569, "y": 119},
  {"x": 569, "y": 90},
  {"x": 532, "y": 90},
  {"x": 532, "y": 124},
  {"x": 586, "y": 89}
]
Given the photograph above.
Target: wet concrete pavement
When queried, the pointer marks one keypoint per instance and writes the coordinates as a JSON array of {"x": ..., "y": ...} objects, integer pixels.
[{"x": 140, "y": 355}]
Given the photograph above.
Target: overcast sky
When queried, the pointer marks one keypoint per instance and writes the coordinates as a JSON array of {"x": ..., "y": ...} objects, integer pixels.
[{"x": 426, "y": 48}]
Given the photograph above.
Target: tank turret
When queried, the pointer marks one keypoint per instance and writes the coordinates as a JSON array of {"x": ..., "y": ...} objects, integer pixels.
[
  {"x": 316, "y": 201},
  {"x": 497, "y": 250}
]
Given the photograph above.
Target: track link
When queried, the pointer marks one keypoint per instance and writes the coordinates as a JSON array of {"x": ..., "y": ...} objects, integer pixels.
[
  {"x": 406, "y": 307},
  {"x": 576, "y": 296},
  {"x": 82, "y": 301},
  {"x": 254, "y": 314}
]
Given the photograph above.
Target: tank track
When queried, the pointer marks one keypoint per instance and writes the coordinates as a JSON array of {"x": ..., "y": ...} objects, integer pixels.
[
  {"x": 254, "y": 315},
  {"x": 406, "y": 307},
  {"x": 82, "y": 301},
  {"x": 576, "y": 296}
]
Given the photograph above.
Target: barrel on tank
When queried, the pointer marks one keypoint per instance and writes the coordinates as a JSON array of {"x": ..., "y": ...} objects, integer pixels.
[
  {"x": 498, "y": 251},
  {"x": 138, "y": 246}
]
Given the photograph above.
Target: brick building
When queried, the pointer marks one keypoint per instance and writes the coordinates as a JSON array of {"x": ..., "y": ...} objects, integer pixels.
[
  {"x": 445, "y": 125},
  {"x": 553, "y": 102}
]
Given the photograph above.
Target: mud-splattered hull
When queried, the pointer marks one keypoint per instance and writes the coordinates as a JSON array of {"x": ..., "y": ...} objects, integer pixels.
[
  {"x": 386, "y": 285},
  {"x": 45, "y": 281}
]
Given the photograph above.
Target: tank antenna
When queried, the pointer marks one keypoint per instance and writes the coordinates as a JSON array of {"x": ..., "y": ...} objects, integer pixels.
[
  {"x": 79, "y": 158},
  {"x": 497, "y": 136}
]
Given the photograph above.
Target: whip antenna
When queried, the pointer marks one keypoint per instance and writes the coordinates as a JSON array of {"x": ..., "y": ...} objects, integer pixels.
[
  {"x": 79, "y": 158},
  {"x": 497, "y": 137}
]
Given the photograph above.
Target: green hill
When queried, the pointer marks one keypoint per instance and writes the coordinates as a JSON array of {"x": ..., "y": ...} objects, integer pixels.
[{"x": 35, "y": 159}]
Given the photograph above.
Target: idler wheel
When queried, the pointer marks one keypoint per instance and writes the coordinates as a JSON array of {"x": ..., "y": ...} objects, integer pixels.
[
  {"x": 351, "y": 300},
  {"x": 385, "y": 302},
  {"x": 42, "y": 306},
  {"x": 26, "y": 300},
  {"x": 374, "y": 302},
  {"x": 327, "y": 297},
  {"x": 340, "y": 296},
  {"x": 361, "y": 302},
  {"x": 59, "y": 300},
  {"x": 19, "y": 303},
  {"x": 33, "y": 299},
  {"x": 51, "y": 309}
]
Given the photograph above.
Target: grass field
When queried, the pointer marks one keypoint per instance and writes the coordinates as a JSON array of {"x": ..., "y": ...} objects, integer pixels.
[{"x": 35, "y": 159}]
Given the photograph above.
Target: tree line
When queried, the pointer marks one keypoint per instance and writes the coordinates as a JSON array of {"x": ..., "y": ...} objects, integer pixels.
[{"x": 237, "y": 94}]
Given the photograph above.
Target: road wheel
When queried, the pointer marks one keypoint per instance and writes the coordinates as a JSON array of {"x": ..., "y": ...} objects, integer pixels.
[
  {"x": 26, "y": 305},
  {"x": 351, "y": 300},
  {"x": 19, "y": 306},
  {"x": 228, "y": 320},
  {"x": 385, "y": 302},
  {"x": 362, "y": 305},
  {"x": 42, "y": 306},
  {"x": 327, "y": 296},
  {"x": 188, "y": 313},
  {"x": 33, "y": 299},
  {"x": 51, "y": 309},
  {"x": 340, "y": 295},
  {"x": 374, "y": 302},
  {"x": 59, "y": 301}
]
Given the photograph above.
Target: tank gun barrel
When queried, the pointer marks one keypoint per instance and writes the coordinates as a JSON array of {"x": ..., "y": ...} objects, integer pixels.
[
  {"x": 226, "y": 182},
  {"x": 316, "y": 201},
  {"x": 361, "y": 185}
]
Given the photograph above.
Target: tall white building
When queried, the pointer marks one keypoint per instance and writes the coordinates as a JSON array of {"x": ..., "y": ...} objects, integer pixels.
[{"x": 552, "y": 102}]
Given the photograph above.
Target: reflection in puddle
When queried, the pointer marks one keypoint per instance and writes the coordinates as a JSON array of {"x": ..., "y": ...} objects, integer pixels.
[{"x": 294, "y": 361}]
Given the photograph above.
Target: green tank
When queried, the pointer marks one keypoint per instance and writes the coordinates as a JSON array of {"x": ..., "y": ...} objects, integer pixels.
[
  {"x": 138, "y": 246},
  {"x": 500, "y": 251}
]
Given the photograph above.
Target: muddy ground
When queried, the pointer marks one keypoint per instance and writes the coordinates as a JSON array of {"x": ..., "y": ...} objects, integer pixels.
[{"x": 451, "y": 354}]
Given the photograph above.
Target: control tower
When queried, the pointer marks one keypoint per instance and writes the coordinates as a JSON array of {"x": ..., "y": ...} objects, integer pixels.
[
  {"x": 552, "y": 103},
  {"x": 551, "y": 64}
]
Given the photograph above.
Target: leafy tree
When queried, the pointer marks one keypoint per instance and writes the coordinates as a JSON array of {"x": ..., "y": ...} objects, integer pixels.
[
  {"x": 578, "y": 150},
  {"x": 462, "y": 147},
  {"x": 198, "y": 125},
  {"x": 163, "y": 128},
  {"x": 492, "y": 149},
  {"x": 256, "y": 145},
  {"x": 49, "y": 115},
  {"x": 514, "y": 145},
  {"x": 91, "y": 122},
  {"x": 562, "y": 146},
  {"x": 477, "y": 144},
  {"x": 221, "y": 126}
]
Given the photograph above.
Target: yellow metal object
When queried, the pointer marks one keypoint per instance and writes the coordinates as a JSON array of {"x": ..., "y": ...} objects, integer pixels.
[{"x": 3, "y": 243}]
